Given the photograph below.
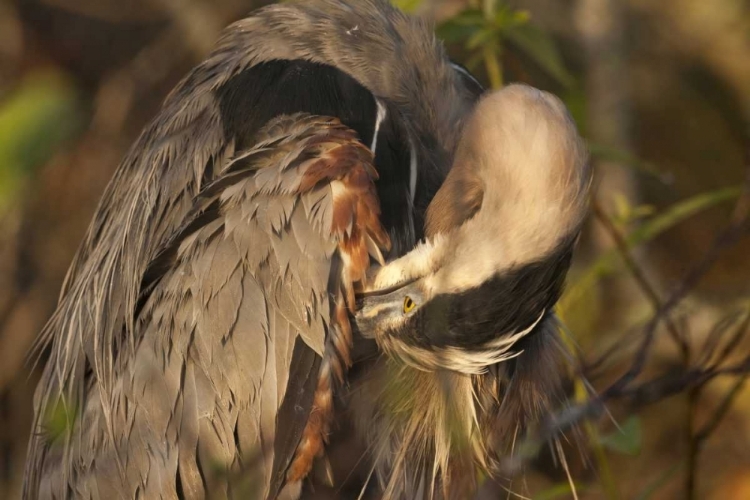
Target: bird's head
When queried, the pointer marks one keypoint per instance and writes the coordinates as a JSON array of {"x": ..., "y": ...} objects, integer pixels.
[{"x": 500, "y": 233}]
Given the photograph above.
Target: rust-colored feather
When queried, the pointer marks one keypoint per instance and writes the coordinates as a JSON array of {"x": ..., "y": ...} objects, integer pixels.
[{"x": 347, "y": 166}]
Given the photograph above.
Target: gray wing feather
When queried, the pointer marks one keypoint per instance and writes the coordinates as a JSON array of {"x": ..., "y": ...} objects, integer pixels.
[
  {"x": 196, "y": 399},
  {"x": 150, "y": 197}
]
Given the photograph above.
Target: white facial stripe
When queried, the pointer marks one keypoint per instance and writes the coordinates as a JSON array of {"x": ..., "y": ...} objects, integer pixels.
[
  {"x": 424, "y": 259},
  {"x": 378, "y": 120},
  {"x": 374, "y": 311}
]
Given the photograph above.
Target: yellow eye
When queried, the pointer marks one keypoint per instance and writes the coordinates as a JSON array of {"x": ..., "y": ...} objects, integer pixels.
[{"x": 409, "y": 304}]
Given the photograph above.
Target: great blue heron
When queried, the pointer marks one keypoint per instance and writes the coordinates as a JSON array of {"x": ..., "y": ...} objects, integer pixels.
[
  {"x": 468, "y": 313},
  {"x": 204, "y": 320}
]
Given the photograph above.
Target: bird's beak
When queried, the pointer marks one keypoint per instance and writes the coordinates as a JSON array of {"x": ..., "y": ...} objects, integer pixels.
[
  {"x": 384, "y": 291},
  {"x": 377, "y": 310}
]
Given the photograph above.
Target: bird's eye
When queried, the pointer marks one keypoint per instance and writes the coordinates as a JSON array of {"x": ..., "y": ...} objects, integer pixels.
[{"x": 409, "y": 304}]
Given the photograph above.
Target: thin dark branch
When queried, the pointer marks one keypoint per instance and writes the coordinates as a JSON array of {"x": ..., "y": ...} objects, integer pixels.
[
  {"x": 725, "y": 240},
  {"x": 726, "y": 403},
  {"x": 736, "y": 228},
  {"x": 637, "y": 271},
  {"x": 713, "y": 341},
  {"x": 734, "y": 341}
]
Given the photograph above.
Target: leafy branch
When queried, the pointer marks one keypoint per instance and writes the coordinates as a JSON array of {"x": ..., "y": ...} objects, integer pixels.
[{"x": 484, "y": 32}]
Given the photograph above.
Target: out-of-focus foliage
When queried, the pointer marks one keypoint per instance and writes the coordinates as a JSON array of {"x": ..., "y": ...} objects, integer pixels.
[
  {"x": 407, "y": 5},
  {"x": 485, "y": 31},
  {"x": 626, "y": 438},
  {"x": 39, "y": 116},
  {"x": 646, "y": 230}
]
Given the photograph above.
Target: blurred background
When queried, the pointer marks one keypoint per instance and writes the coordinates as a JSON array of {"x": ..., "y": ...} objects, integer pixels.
[{"x": 661, "y": 91}]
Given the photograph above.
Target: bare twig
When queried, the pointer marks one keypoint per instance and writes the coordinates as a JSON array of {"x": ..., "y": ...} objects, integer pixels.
[
  {"x": 727, "y": 238},
  {"x": 637, "y": 271},
  {"x": 736, "y": 229},
  {"x": 724, "y": 407},
  {"x": 709, "y": 355}
]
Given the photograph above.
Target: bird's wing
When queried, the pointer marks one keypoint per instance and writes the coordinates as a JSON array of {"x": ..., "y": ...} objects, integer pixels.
[
  {"x": 382, "y": 73},
  {"x": 199, "y": 131},
  {"x": 243, "y": 326}
]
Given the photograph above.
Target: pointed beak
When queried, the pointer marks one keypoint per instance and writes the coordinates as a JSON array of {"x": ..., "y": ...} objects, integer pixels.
[
  {"x": 378, "y": 309},
  {"x": 375, "y": 311}
]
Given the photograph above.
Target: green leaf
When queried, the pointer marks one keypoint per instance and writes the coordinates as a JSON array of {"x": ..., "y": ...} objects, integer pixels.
[
  {"x": 540, "y": 47},
  {"x": 462, "y": 26},
  {"x": 453, "y": 33},
  {"x": 626, "y": 439},
  {"x": 407, "y": 5},
  {"x": 642, "y": 211},
  {"x": 609, "y": 261},
  {"x": 627, "y": 159},
  {"x": 480, "y": 38},
  {"x": 506, "y": 17},
  {"x": 622, "y": 208},
  {"x": 469, "y": 17},
  {"x": 680, "y": 212}
]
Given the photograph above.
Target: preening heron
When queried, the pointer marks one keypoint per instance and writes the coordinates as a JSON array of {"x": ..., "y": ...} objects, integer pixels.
[
  {"x": 204, "y": 328},
  {"x": 203, "y": 323},
  {"x": 468, "y": 313}
]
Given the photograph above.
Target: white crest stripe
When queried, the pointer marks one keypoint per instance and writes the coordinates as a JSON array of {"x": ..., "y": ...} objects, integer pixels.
[
  {"x": 378, "y": 120},
  {"x": 412, "y": 171}
]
